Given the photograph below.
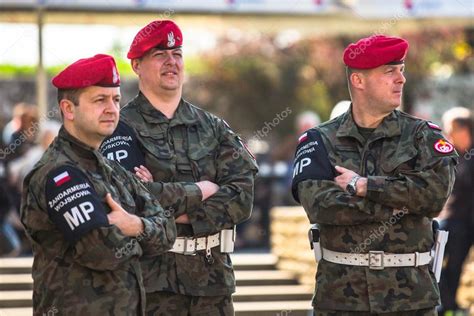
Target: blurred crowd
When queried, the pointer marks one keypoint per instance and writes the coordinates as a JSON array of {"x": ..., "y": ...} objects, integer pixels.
[{"x": 23, "y": 140}]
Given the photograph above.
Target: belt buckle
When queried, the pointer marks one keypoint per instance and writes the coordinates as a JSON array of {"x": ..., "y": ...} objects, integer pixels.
[
  {"x": 186, "y": 252},
  {"x": 376, "y": 260}
]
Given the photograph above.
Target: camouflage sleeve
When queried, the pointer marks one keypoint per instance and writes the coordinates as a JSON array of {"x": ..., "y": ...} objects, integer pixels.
[
  {"x": 176, "y": 197},
  {"x": 64, "y": 203},
  {"x": 103, "y": 249},
  {"x": 314, "y": 187},
  {"x": 425, "y": 189},
  {"x": 232, "y": 203},
  {"x": 159, "y": 231},
  {"x": 97, "y": 249},
  {"x": 326, "y": 203}
]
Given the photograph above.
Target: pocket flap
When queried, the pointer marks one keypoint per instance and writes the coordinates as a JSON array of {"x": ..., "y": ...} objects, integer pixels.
[
  {"x": 156, "y": 144},
  {"x": 399, "y": 157}
]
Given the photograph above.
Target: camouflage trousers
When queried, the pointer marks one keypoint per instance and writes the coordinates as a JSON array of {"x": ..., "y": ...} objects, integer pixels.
[
  {"x": 172, "y": 304},
  {"x": 420, "y": 312}
]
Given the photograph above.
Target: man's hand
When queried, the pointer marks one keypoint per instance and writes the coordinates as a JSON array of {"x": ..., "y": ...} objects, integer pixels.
[
  {"x": 143, "y": 174},
  {"x": 182, "y": 219},
  {"x": 346, "y": 176},
  {"x": 130, "y": 225},
  {"x": 207, "y": 188}
]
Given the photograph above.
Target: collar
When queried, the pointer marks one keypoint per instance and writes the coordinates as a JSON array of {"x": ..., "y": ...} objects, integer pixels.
[
  {"x": 80, "y": 149},
  {"x": 184, "y": 115},
  {"x": 389, "y": 127}
]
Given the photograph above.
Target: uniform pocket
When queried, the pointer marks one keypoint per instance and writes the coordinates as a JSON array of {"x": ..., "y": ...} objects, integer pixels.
[
  {"x": 201, "y": 143},
  {"x": 156, "y": 144},
  {"x": 403, "y": 159},
  {"x": 348, "y": 157},
  {"x": 201, "y": 152}
]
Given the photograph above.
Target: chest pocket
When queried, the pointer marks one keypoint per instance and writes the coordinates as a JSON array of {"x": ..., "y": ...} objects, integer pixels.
[
  {"x": 399, "y": 160},
  {"x": 348, "y": 156},
  {"x": 156, "y": 143},
  {"x": 202, "y": 151}
]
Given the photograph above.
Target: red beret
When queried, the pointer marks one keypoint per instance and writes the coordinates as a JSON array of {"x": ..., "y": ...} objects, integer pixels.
[
  {"x": 99, "y": 70},
  {"x": 375, "y": 51},
  {"x": 163, "y": 34}
]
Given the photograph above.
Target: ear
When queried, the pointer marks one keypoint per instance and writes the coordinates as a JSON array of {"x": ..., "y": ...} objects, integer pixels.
[
  {"x": 357, "y": 80},
  {"x": 67, "y": 108},
  {"x": 135, "y": 65}
]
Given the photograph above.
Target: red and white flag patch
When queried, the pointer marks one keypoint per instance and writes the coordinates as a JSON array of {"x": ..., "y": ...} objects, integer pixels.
[
  {"x": 61, "y": 178},
  {"x": 434, "y": 126},
  {"x": 247, "y": 148},
  {"x": 302, "y": 138},
  {"x": 443, "y": 147}
]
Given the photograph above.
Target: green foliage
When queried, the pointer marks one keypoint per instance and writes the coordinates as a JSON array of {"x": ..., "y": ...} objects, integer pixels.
[{"x": 250, "y": 81}]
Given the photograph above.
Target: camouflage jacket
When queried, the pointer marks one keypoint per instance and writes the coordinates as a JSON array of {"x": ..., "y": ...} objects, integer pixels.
[
  {"x": 192, "y": 146},
  {"x": 82, "y": 265},
  {"x": 410, "y": 176}
]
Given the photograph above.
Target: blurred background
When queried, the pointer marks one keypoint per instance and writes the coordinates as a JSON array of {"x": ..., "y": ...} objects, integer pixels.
[{"x": 270, "y": 68}]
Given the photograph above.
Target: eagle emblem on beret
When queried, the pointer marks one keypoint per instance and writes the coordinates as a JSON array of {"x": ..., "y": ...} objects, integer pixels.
[
  {"x": 115, "y": 75},
  {"x": 171, "y": 40}
]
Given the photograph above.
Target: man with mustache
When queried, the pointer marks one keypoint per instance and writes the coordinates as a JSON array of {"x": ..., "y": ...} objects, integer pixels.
[
  {"x": 197, "y": 167},
  {"x": 88, "y": 219},
  {"x": 372, "y": 179}
]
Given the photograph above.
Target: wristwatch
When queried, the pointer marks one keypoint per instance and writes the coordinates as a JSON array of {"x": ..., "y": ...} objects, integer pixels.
[{"x": 351, "y": 187}]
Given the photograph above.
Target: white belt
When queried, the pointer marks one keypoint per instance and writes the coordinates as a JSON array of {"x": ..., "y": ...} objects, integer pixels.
[
  {"x": 377, "y": 260},
  {"x": 189, "y": 245}
]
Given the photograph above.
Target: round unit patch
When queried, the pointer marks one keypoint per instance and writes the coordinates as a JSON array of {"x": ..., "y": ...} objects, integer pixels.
[{"x": 443, "y": 147}]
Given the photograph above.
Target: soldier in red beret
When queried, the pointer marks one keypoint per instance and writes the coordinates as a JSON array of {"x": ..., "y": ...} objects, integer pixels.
[
  {"x": 372, "y": 179},
  {"x": 197, "y": 167},
  {"x": 88, "y": 219}
]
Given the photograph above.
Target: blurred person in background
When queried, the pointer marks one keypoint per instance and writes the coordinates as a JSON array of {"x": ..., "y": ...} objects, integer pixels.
[
  {"x": 340, "y": 108},
  {"x": 24, "y": 137},
  {"x": 21, "y": 141},
  {"x": 14, "y": 124},
  {"x": 9, "y": 241},
  {"x": 21, "y": 166},
  {"x": 458, "y": 214}
]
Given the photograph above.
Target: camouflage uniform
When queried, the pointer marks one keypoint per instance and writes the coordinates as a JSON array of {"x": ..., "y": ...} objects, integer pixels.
[
  {"x": 192, "y": 146},
  {"x": 82, "y": 265},
  {"x": 404, "y": 174}
]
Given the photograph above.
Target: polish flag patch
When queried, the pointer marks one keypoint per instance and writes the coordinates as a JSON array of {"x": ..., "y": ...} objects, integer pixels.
[
  {"x": 443, "y": 147},
  {"x": 302, "y": 138},
  {"x": 434, "y": 126},
  {"x": 62, "y": 178}
]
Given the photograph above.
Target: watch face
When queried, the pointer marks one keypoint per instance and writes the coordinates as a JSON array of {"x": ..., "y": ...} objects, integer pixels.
[{"x": 351, "y": 189}]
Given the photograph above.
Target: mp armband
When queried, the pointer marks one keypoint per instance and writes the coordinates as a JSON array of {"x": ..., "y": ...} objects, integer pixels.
[
  {"x": 73, "y": 204},
  {"x": 311, "y": 161},
  {"x": 122, "y": 146}
]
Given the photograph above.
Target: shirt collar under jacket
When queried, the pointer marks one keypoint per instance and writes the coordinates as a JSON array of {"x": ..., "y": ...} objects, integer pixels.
[
  {"x": 81, "y": 150},
  {"x": 184, "y": 113},
  {"x": 390, "y": 127}
]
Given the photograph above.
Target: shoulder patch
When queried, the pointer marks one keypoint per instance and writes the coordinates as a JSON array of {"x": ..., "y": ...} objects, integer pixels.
[
  {"x": 442, "y": 146},
  {"x": 433, "y": 126},
  {"x": 72, "y": 203},
  {"x": 303, "y": 138},
  {"x": 122, "y": 146},
  {"x": 311, "y": 161}
]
